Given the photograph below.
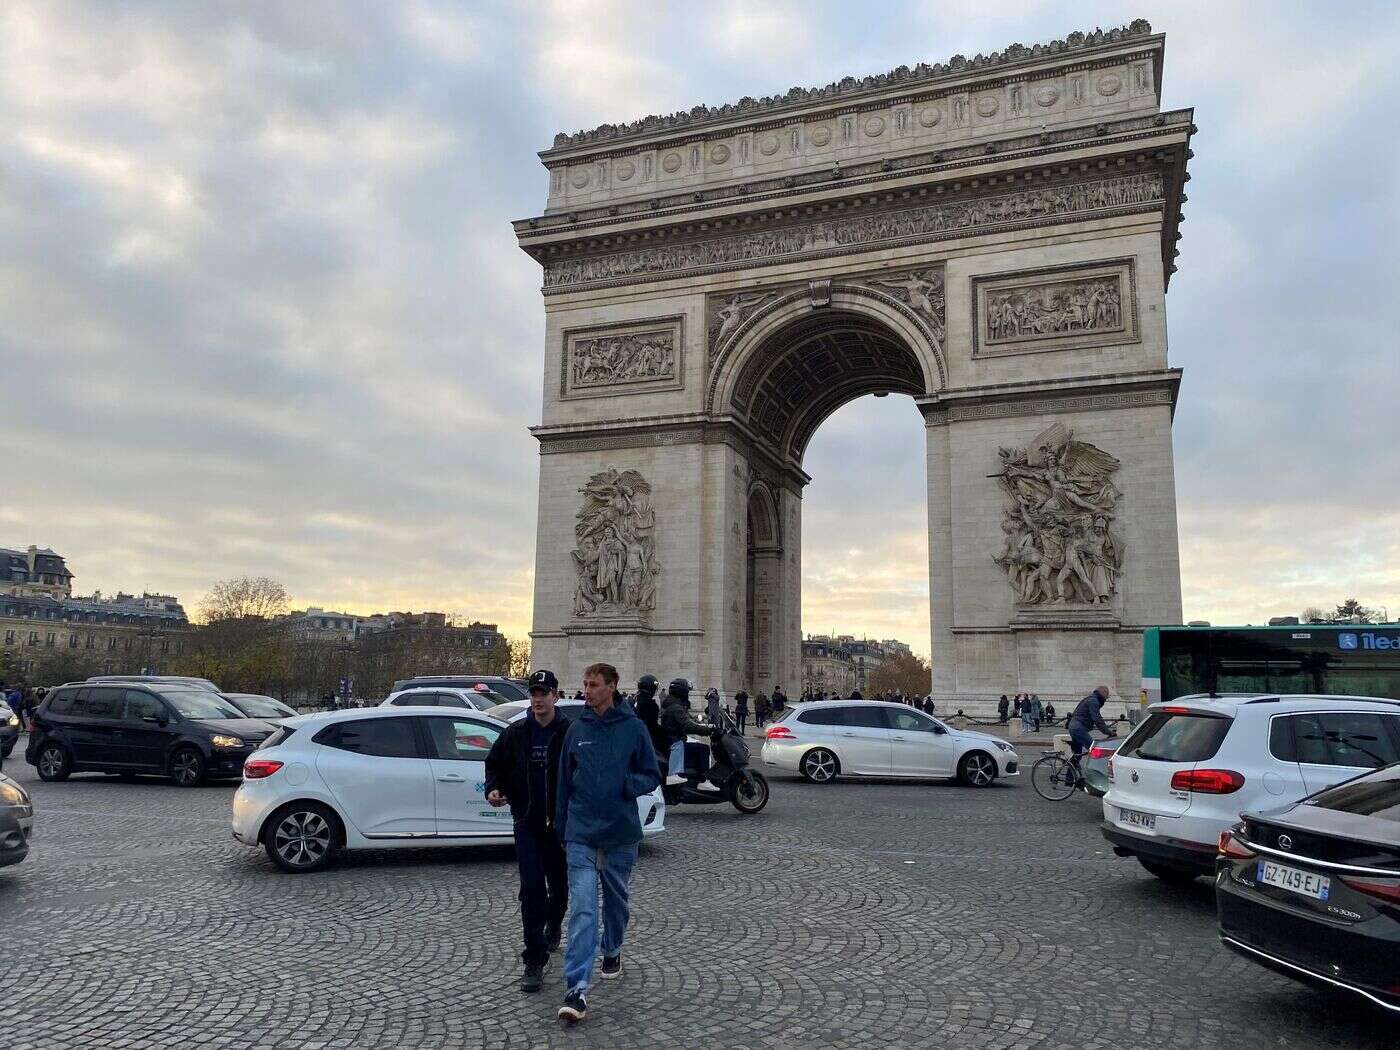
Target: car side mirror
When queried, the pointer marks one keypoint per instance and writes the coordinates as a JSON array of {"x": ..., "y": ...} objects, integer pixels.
[{"x": 939, "y": 731}]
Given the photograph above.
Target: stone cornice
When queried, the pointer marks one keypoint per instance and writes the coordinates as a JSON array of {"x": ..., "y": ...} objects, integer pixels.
[
  {"x": 850, "y": 92},
  {"x": 1079, "y": 394},
  {"x": 679, "y": 209}
]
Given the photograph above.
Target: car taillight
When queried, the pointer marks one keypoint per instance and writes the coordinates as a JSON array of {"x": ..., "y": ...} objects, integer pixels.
[
  {"x": 1207, "y": 781},
  {"x": 1098, "y": 752},
  {"x": 1384, "y": 889},
  {"x": 1231, "y": 846},
  {"x": 780, "y": 733},
  {"x": 257, "y": 768}
]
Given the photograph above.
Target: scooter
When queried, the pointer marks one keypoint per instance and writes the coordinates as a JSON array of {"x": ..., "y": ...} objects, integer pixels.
[{"x": 728, "y": 770}]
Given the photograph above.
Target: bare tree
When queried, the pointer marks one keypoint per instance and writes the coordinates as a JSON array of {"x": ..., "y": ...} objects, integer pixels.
[
  {"x": 903, "y": 673},
  {"x": 1314, "y": 614},
  {"x": 519, "y": 657},
  {"x": 244, "y": 598}
]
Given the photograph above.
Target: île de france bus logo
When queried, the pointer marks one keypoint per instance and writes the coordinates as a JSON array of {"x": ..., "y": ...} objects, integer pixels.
[{"x": 1346, "y": 640}]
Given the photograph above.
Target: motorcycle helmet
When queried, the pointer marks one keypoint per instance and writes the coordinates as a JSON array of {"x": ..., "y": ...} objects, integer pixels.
[
  {"x": 647, "y": 685},
  {"x": 679, "y": 687}
]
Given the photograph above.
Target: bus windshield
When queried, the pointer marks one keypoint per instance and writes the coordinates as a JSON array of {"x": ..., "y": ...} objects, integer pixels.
[{"x": 1339, "y": 659}]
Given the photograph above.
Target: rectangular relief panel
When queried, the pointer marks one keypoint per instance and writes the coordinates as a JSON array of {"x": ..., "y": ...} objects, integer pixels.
[
  {"x": 1057, "y": 309},
  {"x": 623, "y": 358}
]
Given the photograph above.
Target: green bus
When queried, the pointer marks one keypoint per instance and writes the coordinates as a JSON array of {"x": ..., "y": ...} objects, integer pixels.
[{"x": 1359, "y": 659}]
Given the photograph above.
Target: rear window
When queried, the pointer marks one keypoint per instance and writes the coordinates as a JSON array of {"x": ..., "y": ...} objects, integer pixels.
[
  {"x": 280, "y": 736},
  {"x": 1169, "y": 737},
  {"x": 1375, "y": 795},
  {"x": 381, "y": 737},
  {"x": 825, "y": 716},
  {"x": 1345, "y": 738},
  {"x": 61, "y": 703}
]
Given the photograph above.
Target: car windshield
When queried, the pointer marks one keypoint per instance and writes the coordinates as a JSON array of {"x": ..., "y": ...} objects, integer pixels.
[
  {"x": 263, "y": 706},
  {"x": 199, "y": 703}
]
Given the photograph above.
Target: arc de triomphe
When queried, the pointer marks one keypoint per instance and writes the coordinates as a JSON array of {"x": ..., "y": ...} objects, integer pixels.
[{"x": 992, "y": 237}]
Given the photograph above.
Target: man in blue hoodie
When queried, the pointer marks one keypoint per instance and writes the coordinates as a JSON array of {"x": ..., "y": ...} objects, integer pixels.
[{"x": 606, "y": 765}]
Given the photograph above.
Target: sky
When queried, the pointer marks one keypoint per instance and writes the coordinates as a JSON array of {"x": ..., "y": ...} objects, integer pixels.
[{"x": 262, "y": 313}]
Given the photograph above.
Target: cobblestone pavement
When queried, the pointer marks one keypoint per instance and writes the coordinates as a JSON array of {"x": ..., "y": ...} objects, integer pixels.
[{"x": 851, "y": 915}]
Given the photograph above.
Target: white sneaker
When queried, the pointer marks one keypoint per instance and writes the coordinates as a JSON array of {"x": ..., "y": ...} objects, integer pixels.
[
  {"x": 675, "y": 779},
  {"x": 705, "y": 785}
]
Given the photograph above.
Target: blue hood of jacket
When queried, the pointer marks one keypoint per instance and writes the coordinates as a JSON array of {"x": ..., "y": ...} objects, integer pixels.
[{"x": 606, "y": 765}]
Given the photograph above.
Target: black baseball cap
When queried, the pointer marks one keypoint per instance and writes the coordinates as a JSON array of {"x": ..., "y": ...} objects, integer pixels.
[{"x": 543, "y": 681}]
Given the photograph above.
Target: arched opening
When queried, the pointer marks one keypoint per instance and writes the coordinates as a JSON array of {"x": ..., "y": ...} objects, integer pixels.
[{"x": 781, "y": 388}]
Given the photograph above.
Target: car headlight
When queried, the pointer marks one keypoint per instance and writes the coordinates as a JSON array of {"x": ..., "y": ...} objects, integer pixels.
[
  {"x": 13, "y": 720},
  {"x": 220, "y": 740},
  {"x": 1005, "y": 746},
  {"x": 12, "y": 796}
]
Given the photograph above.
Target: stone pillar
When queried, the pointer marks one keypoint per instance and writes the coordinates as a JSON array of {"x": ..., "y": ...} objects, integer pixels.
[{"x": 940, "y": 561}]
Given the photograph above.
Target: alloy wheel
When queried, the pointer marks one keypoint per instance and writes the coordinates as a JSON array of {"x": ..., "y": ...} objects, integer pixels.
[
  {"x": 302, "y": 838},
  {"x": 979, "y": 769},
  {"x": 185, "y": 768},
  {"x": 51, "y": 762},
  {"x": 821, "y": 765}
]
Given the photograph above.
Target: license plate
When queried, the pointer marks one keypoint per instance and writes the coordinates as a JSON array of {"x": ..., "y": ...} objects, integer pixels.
[
  {"x": 1134, "y": 819},
  {"x": 1318, "y": 887}
]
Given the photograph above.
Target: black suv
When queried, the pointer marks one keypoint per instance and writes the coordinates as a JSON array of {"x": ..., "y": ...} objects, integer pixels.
[
  {"x": 510, "y": 688},
  {"x": 178, "y": 731}
]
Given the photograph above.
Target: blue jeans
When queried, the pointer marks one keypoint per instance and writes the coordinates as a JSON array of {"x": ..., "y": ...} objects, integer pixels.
[
  {"x": 586, "y": 864},
  {"x": 675, "y": 763}
]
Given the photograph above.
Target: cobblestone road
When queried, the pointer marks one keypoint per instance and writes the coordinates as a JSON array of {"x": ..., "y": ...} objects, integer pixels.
[{"x": 850, "y": 915}]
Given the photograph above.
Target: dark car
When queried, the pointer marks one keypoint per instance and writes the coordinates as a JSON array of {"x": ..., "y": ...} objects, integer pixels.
[
  {"x": 255, "y": 705},
  {"x": 16, "y": 822},
  {"x": 157, "y": 679},
  {"x": 1312, "y": 890},
  {"x": 510, "y": 688},
  {"x": 9, "y": 729},
  {"x": 177, "y": 731}
]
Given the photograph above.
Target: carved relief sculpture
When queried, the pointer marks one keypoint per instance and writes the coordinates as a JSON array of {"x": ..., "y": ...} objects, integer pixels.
[
  {"x": 1058, "y": 543},
  {"x": 732, "y": 312},
  {"x": 1055, "y": 309},
  {"x": 924, "y": 294},
  {"x": 859, "y": 232},
  {"x": 616, "y": 558},
  {"x": 609, "y": 360}
]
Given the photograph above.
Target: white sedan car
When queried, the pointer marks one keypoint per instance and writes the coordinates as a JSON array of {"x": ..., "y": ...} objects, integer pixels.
[
  {"x": 377, "y": 778},
  {"x": 829, "y": 738}
]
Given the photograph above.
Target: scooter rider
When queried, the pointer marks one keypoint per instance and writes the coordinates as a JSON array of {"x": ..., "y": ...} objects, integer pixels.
[
  {"x": 676, "y": 724},
  {"x": 649, "y": 711}
]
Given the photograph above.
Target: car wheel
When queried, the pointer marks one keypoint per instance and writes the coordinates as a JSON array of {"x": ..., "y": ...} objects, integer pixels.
[
  {"x": 977, "y": 769},
  {"x": 54, "y": 763},
  {"x": 1167, "y": 873},
  {"x": 186, "y": 767},
  {"x": 819, "y": 766},
  {"x": 302, "y": 837}
]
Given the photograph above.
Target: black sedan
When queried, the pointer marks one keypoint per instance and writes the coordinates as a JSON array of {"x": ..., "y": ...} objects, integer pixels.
[
  {"x": 16, "y": 821},
  {"x": 1312, "y": 890}
]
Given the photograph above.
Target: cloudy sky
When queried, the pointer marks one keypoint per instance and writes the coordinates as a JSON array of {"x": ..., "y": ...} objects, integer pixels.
[{"x": 261, "y": 310}]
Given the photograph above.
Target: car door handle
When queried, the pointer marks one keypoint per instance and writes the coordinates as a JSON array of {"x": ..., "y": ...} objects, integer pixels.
[
  {"x": 896, "y": 738},
  {"x": 453, "y": 778},
  {"x": 848, "y": 734}
]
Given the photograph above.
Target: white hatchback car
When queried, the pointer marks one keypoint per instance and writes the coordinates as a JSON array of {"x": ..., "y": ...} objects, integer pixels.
[
  {"x": 444, "y": 696},
  {"x": 824, "y": 739},
  {"x": 377, "y": 778},
  {"x": 1192, "y": 765}
]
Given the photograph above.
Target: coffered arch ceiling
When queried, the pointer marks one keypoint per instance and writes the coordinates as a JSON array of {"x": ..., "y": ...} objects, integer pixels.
[{"x": 807, "y": 370}]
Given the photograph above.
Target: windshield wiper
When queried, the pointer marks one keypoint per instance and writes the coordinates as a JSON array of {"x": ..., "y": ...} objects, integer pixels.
[{"x": 1140, "y": 753}]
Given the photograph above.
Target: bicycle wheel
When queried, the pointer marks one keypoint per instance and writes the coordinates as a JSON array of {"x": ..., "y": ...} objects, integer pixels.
[{"x": 1053, "y": 778}]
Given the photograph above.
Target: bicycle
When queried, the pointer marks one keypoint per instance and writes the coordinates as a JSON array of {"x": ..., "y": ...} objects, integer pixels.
[{"x": 1055, "y": 777}]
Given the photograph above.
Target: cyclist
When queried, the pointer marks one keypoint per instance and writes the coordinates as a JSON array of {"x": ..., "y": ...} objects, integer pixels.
[{"x": 1087, "y": 715}]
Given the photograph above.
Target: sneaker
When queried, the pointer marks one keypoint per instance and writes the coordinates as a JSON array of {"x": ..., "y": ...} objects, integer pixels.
[
  {"x": 552, "y": 938},
  {"x": 533, "y": 979},
  {"x": 575, "y": 1008},
  {"x": 675, "y": 779},
  {"x": 612, "y": 967},
  {"x": 705, "y": 785}
]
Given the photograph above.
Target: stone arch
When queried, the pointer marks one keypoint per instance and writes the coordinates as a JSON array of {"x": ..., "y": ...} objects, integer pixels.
[
  {"x": 765, "y": 525},
  {"x": 860, "y": 341}
]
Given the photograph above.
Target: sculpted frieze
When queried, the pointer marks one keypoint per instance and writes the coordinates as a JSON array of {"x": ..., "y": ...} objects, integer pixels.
[
  {"x": 615, "y": 559},
  {"x": 645, "y": 355},
  {"x": 859, "y": 232},
  {"x": 1069, "y": 307},
  {"x": 1058, "y": 544}
]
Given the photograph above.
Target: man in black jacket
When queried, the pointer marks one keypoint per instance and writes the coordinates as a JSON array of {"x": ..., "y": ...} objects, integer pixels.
[
  {"x": 676, "y": 723},
  {"x": 522, "y": 770}
]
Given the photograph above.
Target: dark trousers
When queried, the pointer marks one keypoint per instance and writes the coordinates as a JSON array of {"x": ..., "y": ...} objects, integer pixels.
[
  {"x": 544, "y": 889},
  {"x": 742, "y": 718}
]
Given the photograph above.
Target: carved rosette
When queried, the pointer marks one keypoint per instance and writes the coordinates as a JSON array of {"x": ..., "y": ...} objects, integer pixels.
[
  {"x": 1058, "y": 543},
  {"x": 615, "y": 559}
]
